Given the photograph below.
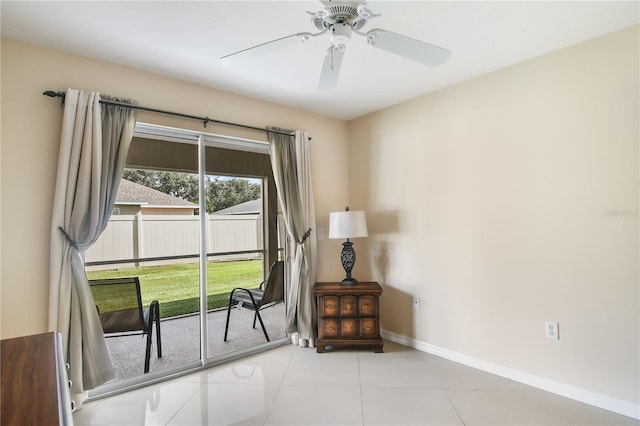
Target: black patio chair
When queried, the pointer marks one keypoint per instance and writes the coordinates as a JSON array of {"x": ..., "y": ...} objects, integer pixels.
[
  {"x": 119, "y": 305},
  {"x": 268, "y": 294}
]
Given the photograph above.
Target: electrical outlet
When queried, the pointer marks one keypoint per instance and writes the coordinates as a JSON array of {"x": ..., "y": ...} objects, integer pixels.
[
  {"x": 551, "y": 330},
  {"x": 416, "y": 302}
]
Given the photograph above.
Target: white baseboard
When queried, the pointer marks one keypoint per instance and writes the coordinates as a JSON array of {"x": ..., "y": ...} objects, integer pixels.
[{"x": 592, "y": 398}]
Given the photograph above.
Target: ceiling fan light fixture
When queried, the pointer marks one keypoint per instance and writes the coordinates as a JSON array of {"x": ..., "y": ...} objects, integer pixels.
[{"x": 340, "y": 34}]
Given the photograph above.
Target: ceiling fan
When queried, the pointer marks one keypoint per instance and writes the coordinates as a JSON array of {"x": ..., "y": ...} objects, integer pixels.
[{"x": 340, "y": 19}]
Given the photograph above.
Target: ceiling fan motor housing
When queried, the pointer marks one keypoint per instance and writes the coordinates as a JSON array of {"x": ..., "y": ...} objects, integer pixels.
[{"x": 339, "y": 12}]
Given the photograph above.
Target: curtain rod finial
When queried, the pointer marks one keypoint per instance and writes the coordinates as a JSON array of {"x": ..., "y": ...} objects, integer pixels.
[{"x": 53, "y": 94}]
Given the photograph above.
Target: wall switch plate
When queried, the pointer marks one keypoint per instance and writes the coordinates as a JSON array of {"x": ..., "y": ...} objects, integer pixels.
[
  {"x": 551, "y": 330},
  {"x": 321, "y": 233},
  {"x": 416, "y": 302}
]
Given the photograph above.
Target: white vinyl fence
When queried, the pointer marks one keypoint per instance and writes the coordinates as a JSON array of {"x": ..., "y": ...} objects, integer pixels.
[{"x": 144, "y": 236}]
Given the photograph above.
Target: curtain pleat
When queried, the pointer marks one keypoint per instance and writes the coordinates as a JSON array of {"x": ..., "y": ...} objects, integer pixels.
[
  {"x": 94, "y": 143},
  {"x": 292, "y": 175}
]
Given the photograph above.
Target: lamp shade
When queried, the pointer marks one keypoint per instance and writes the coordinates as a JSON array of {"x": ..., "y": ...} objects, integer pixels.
[{"x": 347, "y": 224}]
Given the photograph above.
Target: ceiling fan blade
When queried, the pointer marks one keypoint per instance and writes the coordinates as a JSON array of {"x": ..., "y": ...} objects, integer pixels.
[
  {"x": 266, "y": 48},
  {"x": 407, "y": 47},
  {"x": 331, "y": 67}
]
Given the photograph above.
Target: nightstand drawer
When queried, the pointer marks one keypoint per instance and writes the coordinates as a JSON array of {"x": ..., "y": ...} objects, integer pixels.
[
  {"x": 368, "y": 328},
  {"x": 330, "y": 306},
  {"x": 367, "y": 306},
  {"x": 350, "y": 328},
  {"x": 349, "y": 306},
  {"x": 330, "y": 327}
]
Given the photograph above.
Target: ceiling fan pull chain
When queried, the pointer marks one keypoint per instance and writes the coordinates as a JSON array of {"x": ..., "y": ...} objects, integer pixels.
[{"x": 333, "y": 48}]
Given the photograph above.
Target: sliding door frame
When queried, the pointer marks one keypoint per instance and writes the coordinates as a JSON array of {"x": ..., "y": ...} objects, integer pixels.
[{"x": 202, "y": 140}]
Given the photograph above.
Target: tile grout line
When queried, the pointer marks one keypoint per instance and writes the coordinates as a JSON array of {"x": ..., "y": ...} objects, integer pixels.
[
  {"x": 198, "y": 390},
  {"x": 360, "y": 388},
  {"x": 547, "y": 406},
  {"x": 284, "y": 374},
  {"x": 445, "y": 390}
]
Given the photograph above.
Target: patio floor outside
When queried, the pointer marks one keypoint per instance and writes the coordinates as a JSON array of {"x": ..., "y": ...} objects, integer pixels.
[{"x": 181, "y": 339}]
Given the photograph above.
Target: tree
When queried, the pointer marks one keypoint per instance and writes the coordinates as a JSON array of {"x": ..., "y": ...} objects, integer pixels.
[
  {"x": 225, "y": 193},
  {"x": 221, "y": 192}
]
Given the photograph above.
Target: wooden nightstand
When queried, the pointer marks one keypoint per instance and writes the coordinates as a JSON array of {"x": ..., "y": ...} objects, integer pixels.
[{"x": 348, "y": 315}]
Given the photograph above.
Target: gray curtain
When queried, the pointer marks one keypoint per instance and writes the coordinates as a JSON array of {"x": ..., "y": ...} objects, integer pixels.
[
  {"x": 94, "y": 143},
  {"x": 292, "y": 174}
]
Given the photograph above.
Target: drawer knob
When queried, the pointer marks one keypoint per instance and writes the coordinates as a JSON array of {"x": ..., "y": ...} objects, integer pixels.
[
  {"x": 366, "y": 305},
  {"x": 69, "y": 383},
  {"x": 73, "y": 405},
  {"x": 329, "y": 306},
  {"x": 348, "y": 305}
]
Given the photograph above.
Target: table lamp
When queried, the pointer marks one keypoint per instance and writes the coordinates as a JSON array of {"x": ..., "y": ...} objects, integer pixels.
[{"x": 347, "y": 224}]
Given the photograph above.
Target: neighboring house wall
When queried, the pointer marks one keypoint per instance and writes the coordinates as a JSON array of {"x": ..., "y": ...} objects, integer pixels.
[
  {"x": 123, "y": 209},
  {"x": 169, "y": 211},
  {"x": 509, "y": 200}
]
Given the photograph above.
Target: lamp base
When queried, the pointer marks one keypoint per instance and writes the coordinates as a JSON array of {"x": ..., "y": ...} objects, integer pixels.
[
  {"x": 349, "y": 281},
  {"x": 348, "y": 259}
]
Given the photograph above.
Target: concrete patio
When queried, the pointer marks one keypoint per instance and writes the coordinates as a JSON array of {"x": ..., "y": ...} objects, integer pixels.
[{"x": 181, "y": 339}]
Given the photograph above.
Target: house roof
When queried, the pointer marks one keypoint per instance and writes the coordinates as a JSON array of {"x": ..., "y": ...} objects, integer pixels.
[
  {"x": 248, "y": 207},
  {"x": 136, "y": 194}
]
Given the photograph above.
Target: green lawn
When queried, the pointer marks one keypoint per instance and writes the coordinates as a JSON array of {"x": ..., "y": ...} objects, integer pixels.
[{"x": 176, "y": 286}]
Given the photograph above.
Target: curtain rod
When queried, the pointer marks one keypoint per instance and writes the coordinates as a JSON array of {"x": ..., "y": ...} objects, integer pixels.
[{"x": 205, "y": 120}]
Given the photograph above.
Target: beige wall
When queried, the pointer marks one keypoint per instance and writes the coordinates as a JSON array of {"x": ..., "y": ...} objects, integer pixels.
[
  {"x": 509, "y": 200},
  {"x": 30, "y": 134}
]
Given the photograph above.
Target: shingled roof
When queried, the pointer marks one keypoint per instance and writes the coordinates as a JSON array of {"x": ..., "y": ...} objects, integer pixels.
[
  {"x": 136, "y": 194},
  {"x": 248, "y": 207}
]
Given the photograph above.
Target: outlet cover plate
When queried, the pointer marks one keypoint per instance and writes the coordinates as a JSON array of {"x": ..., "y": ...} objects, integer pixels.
[{"x": 551, "y": 330}]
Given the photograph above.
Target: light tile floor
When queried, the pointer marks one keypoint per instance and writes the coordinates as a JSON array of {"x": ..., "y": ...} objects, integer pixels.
[{"x": 296, "y": 386}]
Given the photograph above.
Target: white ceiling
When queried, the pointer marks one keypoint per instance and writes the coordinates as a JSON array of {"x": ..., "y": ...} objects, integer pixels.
[{"x": 185, "y": 39}]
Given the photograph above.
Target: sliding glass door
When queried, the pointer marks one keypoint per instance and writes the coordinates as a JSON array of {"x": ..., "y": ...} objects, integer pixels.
[
  {"x": 196, "y": 217},
  {"x": 153, "y": 235},
  {"x": 239, "y": 261}
]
